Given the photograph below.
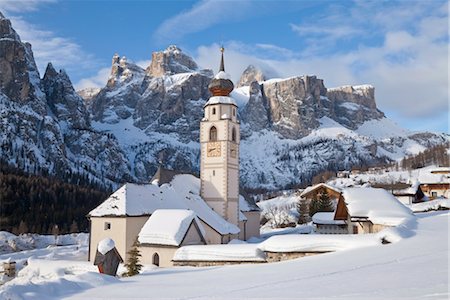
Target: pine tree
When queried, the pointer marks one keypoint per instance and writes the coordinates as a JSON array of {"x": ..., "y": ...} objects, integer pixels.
[
  {"x": 302, "y": 208},
  {"x": 133, "y": 266},
  {"x": 325, "y": 203},
  {"x": 74, "y": 227},
  {"x": 313, "y": 206},
  {"x": 23, "y": 228}
]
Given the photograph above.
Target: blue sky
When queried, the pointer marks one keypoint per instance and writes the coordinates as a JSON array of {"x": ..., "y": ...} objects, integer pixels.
[{"x": 400, "y": 47}]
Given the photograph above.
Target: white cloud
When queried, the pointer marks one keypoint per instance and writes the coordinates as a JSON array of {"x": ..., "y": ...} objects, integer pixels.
[
  {"x": 97, "y": 81},
  {"x": 201, "y": 16},
  {"x": 49, "y": 47},
  {"x": 408, "y": 69},
  {"x": 16, "y": 6}
]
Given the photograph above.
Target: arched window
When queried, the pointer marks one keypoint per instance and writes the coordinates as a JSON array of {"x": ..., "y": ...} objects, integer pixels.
[
  {"x": 155, "y": 259},
  {"x": 213, "y": 134},
  {"x": 233, "y": 134},
  {"x": 214, "y": 111}
]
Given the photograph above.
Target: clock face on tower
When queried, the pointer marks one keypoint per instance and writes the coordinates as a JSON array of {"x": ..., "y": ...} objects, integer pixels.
[{"x": 213, "y": 149}]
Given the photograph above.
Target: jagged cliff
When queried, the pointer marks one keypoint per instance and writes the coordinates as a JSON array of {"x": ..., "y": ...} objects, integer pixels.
[
  {"x": 44, "y": 125},
  {"x": 291, "y": 128}
]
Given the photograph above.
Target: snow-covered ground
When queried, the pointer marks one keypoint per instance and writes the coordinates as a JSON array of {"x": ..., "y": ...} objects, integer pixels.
[{"x": 415, "y": 267}]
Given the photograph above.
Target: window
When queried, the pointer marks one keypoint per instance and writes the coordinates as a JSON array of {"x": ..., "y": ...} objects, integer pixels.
[
  {"x": 234, "y": 112},
  {"x": 213, "y": 134},
  {"x": 214, "y": 172},
  {"x": 233, "y": 134},
  {"x": 107, "y": 226},
  {"x": 155, "y": 259},
  {"x": 214, "y": 111},
  {"x": 434, "y": 194}
]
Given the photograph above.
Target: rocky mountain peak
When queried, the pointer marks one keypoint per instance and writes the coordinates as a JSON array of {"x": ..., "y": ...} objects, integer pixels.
[
  {"x": 123, "y": 71},
  {"x": 170, "y": 61},
  {"x": 50, "y": 71},
  {"x": 358, "y": 94},
  {"x": 19, "y": 77},
  {"x": 6, "y": 30},
  {"x": 250, "y": 74}
]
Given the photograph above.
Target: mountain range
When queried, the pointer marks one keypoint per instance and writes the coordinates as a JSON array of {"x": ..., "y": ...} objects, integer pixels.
[{"x": 291, "y": 128}]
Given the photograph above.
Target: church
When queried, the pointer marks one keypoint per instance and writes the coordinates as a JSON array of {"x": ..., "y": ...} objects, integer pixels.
[{"x": 176, "y": 210}]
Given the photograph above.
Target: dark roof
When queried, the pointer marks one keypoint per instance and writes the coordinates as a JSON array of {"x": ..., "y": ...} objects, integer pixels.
[
  {"x": 165, "y": 175},
  {"x": 392, "y": 186}
]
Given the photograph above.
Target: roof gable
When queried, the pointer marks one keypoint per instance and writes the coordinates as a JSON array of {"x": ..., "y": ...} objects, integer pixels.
[{"x": 313, "y": 188}]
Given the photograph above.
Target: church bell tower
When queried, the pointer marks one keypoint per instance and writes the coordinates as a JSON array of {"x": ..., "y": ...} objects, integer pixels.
[{"x": 219, "y": 142}]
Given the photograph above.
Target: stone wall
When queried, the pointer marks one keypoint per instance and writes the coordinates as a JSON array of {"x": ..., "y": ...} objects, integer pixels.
[
  {"x": 213, "y": 263},
  {"x": 281, "y": 256}
]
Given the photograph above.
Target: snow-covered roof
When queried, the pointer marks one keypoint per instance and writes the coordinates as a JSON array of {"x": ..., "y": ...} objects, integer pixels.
[
  {"x": 314, "y": 187},
  {"x": 105, "y": 245},
  {"x": 440, "y": 169},
  {"x": 168, "y": 227},
  {"x": 221, "y": 100},
  {"x": 183, "y": 192},
  {"x": 326, "y": 218},
  {"x": 378, "y": 205},
  {"x": 247, "y": 204},
  {"x": 317, "y": 242},
  {"x": 436, "y": 204},
  {"x": 230, "y": 252},
  {"x": 242, "y": 217},
  {"x": 412, "y": 190},
  {"x": 432, "y": 178}
]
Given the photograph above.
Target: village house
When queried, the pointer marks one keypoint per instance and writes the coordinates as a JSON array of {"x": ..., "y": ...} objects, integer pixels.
[
  {"x": 435, "y": 183},
  {"x": 406, "y": 193},
  {"x": 208, "y": 210},
  {"x": 370, "y": 210}
]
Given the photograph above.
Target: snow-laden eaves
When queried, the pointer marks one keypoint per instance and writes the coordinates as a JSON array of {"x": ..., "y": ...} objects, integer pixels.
[
  {"x": 317, "y": 242},
  {"x": 168, "y": 227},
  {"x": 377, "y": 205},
  {"x": 314, "y": 187},
  {"x": 326, "y": 218},
  {"x": 229, "y": 252}
]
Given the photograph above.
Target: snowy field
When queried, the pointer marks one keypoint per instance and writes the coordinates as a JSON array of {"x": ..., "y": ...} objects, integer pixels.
[{"x": 415, "y": 267}]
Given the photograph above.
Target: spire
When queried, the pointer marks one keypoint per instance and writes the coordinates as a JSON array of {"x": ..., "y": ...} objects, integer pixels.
[
  {"x": 221, "y": 85},
  {"x": 222, "y": 65}
]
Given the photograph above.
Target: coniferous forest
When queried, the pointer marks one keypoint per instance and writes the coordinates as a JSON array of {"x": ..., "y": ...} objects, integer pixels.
[{"x": 45, "y": 205}]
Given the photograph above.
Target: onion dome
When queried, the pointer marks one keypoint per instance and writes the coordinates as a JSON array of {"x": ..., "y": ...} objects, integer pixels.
[{"x": 221, "y": 85}]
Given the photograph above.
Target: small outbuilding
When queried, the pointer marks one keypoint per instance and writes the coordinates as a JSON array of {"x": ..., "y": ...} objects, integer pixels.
[{"x": 107, "y": 258}]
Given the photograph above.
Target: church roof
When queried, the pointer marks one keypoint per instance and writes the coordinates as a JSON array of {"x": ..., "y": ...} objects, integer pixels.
[
  {"x": 183, "y": 192},
  {"x": 221, "y": 100},
  {"x": 168, "y": 227},
  {"x": 163, "y": 176}
]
